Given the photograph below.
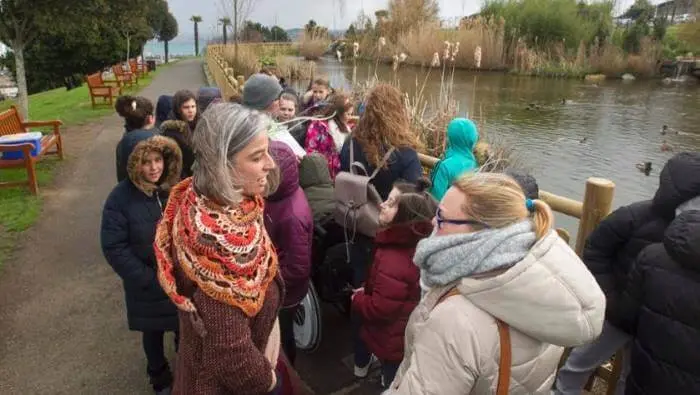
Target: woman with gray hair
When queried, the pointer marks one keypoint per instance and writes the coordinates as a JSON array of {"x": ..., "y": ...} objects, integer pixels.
[{"x": 216, "y": 261}]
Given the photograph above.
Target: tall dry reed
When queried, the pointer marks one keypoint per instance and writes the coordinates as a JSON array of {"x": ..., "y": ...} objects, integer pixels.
[{"x": 314, "y": 44}]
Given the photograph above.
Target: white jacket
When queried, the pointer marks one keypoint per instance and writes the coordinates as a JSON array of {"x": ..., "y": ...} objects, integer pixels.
[{"x": 550, "y": 301}]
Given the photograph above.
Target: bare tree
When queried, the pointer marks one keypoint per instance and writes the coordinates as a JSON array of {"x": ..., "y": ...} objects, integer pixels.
[{"x": 239, "y": 11}]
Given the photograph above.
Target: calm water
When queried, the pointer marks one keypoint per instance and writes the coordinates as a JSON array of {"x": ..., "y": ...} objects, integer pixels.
[{"x": 620, "y": 121}]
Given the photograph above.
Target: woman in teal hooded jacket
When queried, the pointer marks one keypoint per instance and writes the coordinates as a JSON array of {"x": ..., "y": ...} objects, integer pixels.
[{"x": 462, "y": 136}]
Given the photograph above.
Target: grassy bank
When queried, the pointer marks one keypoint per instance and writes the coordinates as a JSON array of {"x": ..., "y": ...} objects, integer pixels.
[{"x": 18, "y": 208}]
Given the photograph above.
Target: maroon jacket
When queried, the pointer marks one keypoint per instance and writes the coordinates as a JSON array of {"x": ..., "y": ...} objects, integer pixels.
[
  {"x": 391, "y": 290},
  {"x": 290, "y": 224}
]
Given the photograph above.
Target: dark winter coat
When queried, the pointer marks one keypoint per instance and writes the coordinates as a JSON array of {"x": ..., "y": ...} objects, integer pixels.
[
  {"x": 614, "y": 245},
  {"x": 662, "y": 311},
  {"x": 122, "y": 152},
  {"x": 163, "y": 108},
  {"x": 403, "y": 164},
  {"x": 391, "y": 291},
  {"x": 181, "y": 133},
  {"x": 205, "y": 96},
  {"x": 290, "y": 224},
  {"x": 129, "y": 221},
  {"x": 315, "y": 180}
]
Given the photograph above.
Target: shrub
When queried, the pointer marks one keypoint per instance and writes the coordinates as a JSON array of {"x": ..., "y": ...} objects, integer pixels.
[{"x": 313, "y": 45}]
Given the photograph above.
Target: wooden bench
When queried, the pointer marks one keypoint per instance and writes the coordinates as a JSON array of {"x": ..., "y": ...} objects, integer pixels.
[
  {"x": 10, "y": 123},
  {"x": 123, "y": 76},
  {"x": 98, "y": 87},
  {"x": 139, "y": 69}
]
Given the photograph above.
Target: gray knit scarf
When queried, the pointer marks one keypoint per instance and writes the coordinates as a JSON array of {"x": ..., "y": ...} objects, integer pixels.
[{"x": 445, "y": 259}]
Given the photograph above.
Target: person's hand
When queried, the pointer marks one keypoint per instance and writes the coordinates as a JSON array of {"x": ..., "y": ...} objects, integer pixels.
[
  {"x": 357, "y": 291},
  {"x": 272, "y": 348}
]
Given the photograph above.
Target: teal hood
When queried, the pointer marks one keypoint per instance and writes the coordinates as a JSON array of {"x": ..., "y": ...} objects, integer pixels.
[{"x": 462, "y": 136}]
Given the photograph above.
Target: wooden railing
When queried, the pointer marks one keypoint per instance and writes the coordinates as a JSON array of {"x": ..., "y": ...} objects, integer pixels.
[
  {"x": 596, "y": 204},
  {"x": 222, "y": 72}
]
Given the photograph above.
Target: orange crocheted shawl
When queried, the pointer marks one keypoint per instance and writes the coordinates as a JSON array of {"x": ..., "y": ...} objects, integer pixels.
[{"x": 224, "y": 250}]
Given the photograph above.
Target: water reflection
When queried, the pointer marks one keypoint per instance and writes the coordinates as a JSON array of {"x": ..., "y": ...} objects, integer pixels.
[{"x": 602, "y": 130}]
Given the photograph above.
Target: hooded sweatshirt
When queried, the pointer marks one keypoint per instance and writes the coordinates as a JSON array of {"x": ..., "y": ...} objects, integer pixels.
[
  {"x": 289, "y": 223},
  {"x": 315, "y": 180},
  {"x": 549, "y": 300},
  {"x": 462, "y": 136}
]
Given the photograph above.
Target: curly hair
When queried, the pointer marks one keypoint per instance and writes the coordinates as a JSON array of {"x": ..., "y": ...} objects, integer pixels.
[{"x": 384, "y": 124}]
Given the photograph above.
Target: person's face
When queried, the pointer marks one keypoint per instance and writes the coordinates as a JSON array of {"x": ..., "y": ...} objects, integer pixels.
[
  {"x": 287, "y": 110},
  {"x": 273, "y": 109},
  {"x": 189, "y": 110},
  {"x": 152, "y": 167},
  {"x": 389, "y": 207},
  {"x": 450, "y": 213},
  {"x": 150, "y": 122},
  {"x": 252, "y": 165},
  {"x": 348, "y": 113},
  {"x": 319, "y": 92}
]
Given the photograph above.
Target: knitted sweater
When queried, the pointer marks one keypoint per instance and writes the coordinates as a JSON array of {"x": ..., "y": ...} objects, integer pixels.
[{"x": 224, "y": 360}]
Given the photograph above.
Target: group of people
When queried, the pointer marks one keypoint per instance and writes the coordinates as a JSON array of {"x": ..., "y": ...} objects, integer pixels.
[{"x": 211, "y": 227}]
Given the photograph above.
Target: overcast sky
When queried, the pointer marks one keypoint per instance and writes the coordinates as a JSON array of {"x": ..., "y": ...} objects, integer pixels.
[{"x": 295, "y": 13}]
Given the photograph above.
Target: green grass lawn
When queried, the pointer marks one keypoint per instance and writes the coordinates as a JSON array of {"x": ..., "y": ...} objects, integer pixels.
[{"x": 18, "y": 208}]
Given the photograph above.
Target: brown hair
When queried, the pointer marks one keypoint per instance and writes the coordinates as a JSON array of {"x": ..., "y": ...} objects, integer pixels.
[
  {"x": 181, "y": 97},
  {"x": 236, "y": 98},
  {"x": 497, "y": 200},
  {"x": 414, "y": 203},
  {"x": 292, "y": 98},
  {"x": 338, "y": 104},
  {"x": 135, "y": 111},
  {"x": 321, "y": 81},
  {"x": 384, "y": 124}
]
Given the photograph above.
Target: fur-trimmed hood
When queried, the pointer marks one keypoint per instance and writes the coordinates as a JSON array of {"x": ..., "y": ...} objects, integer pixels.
[
  {"x": 177, "y": 130},
  {"x": 172, "y": 158}
]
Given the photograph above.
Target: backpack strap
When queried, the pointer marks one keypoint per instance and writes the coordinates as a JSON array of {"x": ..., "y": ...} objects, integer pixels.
[
  {"x": 382, "y": 162},
  {"x": 504, "y": 340}
]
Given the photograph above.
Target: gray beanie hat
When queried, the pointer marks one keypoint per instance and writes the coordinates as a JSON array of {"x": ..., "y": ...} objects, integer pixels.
[{"x": 260, "y": 90}]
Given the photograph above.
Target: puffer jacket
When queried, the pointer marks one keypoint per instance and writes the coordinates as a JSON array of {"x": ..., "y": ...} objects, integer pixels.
[
  {"x": 289, "y": 223},
  {"x": 129, "y": 220},
  {"x": 662, "y": 311},
  {"x": 549, "y": 300},
  {"x": 391, "y": 291},
  {"x": 315, "y": 180},
  {"x": 614, "y": 245}
]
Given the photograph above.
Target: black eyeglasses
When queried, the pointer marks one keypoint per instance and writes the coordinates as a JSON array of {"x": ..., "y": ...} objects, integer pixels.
[{"x": 441, "y": 220}]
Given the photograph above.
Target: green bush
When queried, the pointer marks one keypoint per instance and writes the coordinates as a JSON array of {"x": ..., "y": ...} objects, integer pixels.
[{"x": 543, "y": 22}]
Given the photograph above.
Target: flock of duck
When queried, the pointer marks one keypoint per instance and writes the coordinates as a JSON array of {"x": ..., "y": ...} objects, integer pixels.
[{"x": 644, "y": 167}]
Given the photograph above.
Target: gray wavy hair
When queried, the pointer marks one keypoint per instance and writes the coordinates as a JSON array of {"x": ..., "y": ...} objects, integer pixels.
[{"x": 223, "y": 131}]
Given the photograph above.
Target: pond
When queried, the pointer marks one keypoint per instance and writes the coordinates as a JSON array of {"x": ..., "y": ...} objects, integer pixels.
[{"x": 603, "y": 130}]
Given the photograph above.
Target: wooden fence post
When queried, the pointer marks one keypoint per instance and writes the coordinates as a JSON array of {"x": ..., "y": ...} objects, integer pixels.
[{"x": 597, "y": 204}]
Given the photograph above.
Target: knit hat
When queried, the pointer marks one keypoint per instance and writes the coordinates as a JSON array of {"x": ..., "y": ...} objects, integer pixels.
[{"x": 260, "y": 91}]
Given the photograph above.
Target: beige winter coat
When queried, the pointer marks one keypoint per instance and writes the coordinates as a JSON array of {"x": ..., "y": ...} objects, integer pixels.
[{"x": 549, "y": 299}]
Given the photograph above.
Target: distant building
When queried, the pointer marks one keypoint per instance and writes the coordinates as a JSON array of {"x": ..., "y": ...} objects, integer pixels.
[{"x": 676, "y": 11}]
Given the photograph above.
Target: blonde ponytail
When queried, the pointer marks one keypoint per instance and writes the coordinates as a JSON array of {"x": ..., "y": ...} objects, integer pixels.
[
  {"x": 542, "y": 218},
  {"x": 497, "y": 200}
]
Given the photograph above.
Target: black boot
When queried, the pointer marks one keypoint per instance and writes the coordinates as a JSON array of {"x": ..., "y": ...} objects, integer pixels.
[{"x": 161, "y": 380}]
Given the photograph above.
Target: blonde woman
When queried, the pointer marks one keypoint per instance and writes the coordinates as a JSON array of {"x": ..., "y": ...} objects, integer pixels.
[{"x": 494, "y": 256}]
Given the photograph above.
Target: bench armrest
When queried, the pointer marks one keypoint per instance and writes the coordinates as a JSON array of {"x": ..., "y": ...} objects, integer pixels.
[{"x": 35, "y": 124}]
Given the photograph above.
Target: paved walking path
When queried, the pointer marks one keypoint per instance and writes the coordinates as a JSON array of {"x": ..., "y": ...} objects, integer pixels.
[{"x": 62, "y": 323}]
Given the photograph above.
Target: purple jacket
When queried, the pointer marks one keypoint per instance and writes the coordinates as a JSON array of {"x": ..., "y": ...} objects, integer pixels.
[{"x": 289, "y": 222}]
